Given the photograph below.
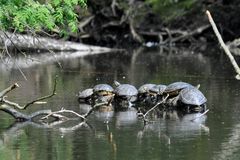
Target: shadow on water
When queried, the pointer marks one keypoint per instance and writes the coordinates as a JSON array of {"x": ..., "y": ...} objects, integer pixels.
[{"x": 121, "y": 135}]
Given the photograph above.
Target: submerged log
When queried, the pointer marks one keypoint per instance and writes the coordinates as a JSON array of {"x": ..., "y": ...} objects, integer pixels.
[{"x": 8, "y": 39}]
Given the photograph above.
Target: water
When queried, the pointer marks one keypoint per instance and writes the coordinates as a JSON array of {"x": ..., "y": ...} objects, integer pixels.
[{"x": 216, "y": 136}]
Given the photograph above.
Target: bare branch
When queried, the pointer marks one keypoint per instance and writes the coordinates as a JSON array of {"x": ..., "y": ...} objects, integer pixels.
[
  {"x": 135, "y": 35},
  {"x": 5, "y": 91},
  {"x": 223, "y": 45},
  {"x": 47, "y": 112},
  {"x": 94, "y": 107},
  {"x": 16, "y": 105},
  {"x": 144, "y": 115},
  {"x": 23, "y": 117},
  {"x": 63, "y": 111},
  {"x": 200, "y": 115},
  {"x": 14, "y": 113}
]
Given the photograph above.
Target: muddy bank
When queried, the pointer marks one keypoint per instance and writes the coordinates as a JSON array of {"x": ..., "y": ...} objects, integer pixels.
[{"x": 114, "y": 23}]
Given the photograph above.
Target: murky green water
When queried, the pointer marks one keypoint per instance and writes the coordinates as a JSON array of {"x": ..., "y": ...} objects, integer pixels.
[{"x": 216, "y": 136}]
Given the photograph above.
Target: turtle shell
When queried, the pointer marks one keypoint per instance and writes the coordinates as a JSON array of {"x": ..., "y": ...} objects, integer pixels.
[
  {"x": 126, "y": 90},
  {"x": 102, "y": 87},
  {"x": 192, "y": 96},
  {"x": 158, "y": 89},
  {"x": 176, "y": 86},
  {"x": 145, "y": 88},
  {"x": 85, "y": 93}
]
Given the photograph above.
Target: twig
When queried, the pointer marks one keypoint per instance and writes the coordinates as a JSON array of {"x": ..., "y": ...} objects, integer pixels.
[
  {"x": 6, "y": 49},
  {"x": 200, "y": 115},
  {"x": 13, "y": 104},
  {"x": 46, "y": 112},
  {"x": 50, "y": 50},
  {"x": 225, "y": 48},
  {"x": 5, "y": 91},
  {"x": 63, "y": 111},
  {"x": 135, "y": 35},
  {"x": 144, "y": 115},
  {"x": 93, "y": 108},
  {"x": 84, "y": 23},
  {"x": 188, "y": 34},
  {"x": 113, "y": 6}
]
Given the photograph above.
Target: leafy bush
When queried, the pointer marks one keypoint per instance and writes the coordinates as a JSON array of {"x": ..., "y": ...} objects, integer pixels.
[{"x": 22, "y": 15}]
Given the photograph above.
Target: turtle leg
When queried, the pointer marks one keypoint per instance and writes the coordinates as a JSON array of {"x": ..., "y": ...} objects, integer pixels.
[
  {"x": 188, "y": 109},
  {"x": 204, "y": 107}
]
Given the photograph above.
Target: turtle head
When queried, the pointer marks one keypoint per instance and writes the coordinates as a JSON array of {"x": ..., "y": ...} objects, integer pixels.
[{"x": 116, "y": 83}]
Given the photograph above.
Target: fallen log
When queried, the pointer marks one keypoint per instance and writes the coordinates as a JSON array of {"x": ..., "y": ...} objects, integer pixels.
[{"x": 8, "y": 39}]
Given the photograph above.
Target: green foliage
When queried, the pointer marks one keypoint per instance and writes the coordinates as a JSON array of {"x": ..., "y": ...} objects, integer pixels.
[
  {"x": 23, "y": 15},
  {"x": 170, "y": 9}
]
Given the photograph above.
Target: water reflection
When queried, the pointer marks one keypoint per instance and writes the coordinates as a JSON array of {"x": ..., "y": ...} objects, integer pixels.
[
  {"x": 125, "y": 136},
  {"x": 126, "y": 118}
]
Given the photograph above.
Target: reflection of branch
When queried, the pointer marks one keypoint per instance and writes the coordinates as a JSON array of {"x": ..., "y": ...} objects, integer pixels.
[
  {"x": 13, "y": 104},
  {"x": 70, "y": 129}
]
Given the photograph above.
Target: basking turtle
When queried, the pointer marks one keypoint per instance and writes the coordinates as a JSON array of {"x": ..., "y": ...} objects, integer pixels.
[
  {"x": 143, "y": 92},
  {"x": 156, "y": 92},
  {"x": 85, "y": 96},
  {"x": 125, "y": 94},
  {"x": 173, "y": 89},
  {"x": 102, "y": 93},
  {"x": 103, "y": 90},
  {"x": 193, "y": 99}
]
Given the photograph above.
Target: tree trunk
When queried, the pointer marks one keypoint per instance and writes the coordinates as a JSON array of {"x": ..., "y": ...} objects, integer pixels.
[{"x": 43, "y": 43}]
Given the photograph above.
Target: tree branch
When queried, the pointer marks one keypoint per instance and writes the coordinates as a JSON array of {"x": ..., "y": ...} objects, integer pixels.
[
  {"x": 223, "y": 45},
  {"x": 16, "y": 105},
  {"x": 63, "y": 111},
  {"x": 5, "y": 91},
  {"x": 95, "y": 107},
  {"x": 144, "y": 115}
]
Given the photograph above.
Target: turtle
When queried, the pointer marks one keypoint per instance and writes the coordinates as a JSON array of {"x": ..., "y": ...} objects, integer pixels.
[
  {"x": 102, "y": 93},
  {"x": 85, "y": 95},
  {"x": 192, "y": 98},
  {"x": 143, "y": 91},
  {"x": 103, "y": 89},
  {"x": 125, "y": 93},
  {"x": 173, "y": 89},
  {"x": 156, "y": 92}
]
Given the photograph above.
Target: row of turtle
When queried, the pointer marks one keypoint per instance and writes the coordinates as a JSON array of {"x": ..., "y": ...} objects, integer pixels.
[{"x": 125, "y": 95}]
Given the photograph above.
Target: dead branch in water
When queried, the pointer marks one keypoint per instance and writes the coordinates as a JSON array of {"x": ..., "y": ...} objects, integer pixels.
[
  {"x": 8, "y": 106},
  {"x": 16, "y": 105},
  {"x": 223, "y": 45},
  {"x": 82, "y": 117}
]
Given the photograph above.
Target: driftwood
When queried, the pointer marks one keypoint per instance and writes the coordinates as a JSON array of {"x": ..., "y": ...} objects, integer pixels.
[
  {"x": 43, "y": 43},
  {"x": 82, "y": 117},
  {"x": 223, "y": 45},
  {"x": 9, "y": 106}
]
